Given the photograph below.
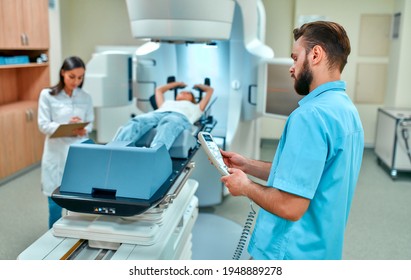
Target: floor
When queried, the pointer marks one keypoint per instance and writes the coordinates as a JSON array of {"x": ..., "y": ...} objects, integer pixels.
[{"x": 379, "y": 226}]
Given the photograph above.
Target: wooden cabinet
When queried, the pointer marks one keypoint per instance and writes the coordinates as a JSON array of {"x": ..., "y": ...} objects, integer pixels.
[
  {"x": 21, "y": 144},
  {"x": 24, "y": 24},
  {"x": 23, "y": 31}
]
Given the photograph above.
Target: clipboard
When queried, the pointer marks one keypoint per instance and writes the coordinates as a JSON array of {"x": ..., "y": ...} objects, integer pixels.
[{"x": 66, "y": 130}]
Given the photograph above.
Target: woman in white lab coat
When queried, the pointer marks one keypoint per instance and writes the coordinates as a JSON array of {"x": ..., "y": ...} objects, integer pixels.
[{"x": 63, "y": 103}]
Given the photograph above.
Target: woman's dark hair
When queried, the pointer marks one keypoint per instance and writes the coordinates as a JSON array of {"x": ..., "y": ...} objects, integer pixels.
[
  {"x": 330, "y": 36},
  {"x": 69, "y": 63}
]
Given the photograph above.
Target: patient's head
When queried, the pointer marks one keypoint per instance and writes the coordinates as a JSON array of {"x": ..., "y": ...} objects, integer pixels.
[{"x": 186, "y": 95}]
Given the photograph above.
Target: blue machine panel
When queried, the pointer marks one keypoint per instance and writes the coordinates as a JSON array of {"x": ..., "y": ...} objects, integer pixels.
[{"x": 115, "y": 170}]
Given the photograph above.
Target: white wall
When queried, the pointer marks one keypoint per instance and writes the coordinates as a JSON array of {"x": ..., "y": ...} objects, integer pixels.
[
  {"x": 86, "y": 24},
  {"x": 55, "y": 42},
  {"x": 398, "y": 92}
]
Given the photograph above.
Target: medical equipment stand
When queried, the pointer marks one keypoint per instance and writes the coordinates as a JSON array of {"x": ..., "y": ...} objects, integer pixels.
[{"x": 392, "y": 144}]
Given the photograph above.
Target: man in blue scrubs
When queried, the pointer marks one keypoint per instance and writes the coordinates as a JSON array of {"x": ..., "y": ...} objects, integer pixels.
[{"x": 311, "y": 181}]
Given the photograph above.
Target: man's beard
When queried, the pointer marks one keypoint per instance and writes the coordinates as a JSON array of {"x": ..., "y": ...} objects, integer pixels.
[{"x": 303, "y": 81}]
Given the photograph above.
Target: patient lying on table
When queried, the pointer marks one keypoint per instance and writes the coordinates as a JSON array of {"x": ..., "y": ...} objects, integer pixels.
[{"x": 171, "y": 118}]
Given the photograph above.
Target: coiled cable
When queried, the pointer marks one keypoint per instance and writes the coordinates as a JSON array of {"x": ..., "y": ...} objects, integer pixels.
[{"x": 245, "y": 233}]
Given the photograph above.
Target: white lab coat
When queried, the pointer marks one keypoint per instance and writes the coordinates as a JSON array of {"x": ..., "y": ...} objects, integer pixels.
[{"x": 53, "y": 111}]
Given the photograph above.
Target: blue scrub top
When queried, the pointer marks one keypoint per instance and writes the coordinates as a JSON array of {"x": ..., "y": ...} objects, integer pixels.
[{"x": 318, "y": 157}]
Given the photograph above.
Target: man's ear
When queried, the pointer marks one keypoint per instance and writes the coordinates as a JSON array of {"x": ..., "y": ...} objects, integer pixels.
[{"x": 317, "y": 54}]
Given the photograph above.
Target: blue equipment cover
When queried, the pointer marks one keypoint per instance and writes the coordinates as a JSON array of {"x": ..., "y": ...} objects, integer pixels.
[{"x": 115, "y": 170}]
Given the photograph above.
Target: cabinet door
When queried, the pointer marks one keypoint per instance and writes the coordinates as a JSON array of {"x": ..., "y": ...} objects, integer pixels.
[
  {"x": 5, "y": 142},
  {"x": 24, "y": 24},
  {"x": 11, "y": 154},
  {"x": 21, "y": 153},
  {"x": 21, "y": 143},
  {"x": 28, "y": 139},
  {"x": 35, "y": 23},
  {"x": 10, "y": 24}
]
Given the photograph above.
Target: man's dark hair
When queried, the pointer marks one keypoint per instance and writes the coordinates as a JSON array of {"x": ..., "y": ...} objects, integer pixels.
[{"x": 330, "y": 36}]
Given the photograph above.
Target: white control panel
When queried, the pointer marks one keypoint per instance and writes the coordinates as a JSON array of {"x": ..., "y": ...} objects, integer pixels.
[{"x": 213, "y": 152}]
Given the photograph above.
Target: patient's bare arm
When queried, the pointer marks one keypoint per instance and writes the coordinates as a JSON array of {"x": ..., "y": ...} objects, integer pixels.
[
  {"x": 162, "y": 89},
  {"x": 209, "y": 92}
]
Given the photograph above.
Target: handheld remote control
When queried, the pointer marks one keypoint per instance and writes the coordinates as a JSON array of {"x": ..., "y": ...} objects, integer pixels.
[{"x": 213, "y": 152}]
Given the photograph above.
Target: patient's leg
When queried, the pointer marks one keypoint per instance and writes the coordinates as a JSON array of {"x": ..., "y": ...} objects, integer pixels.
[
  {"x": 169, "y": 128},
  {"x": 138, "y": 126}
]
